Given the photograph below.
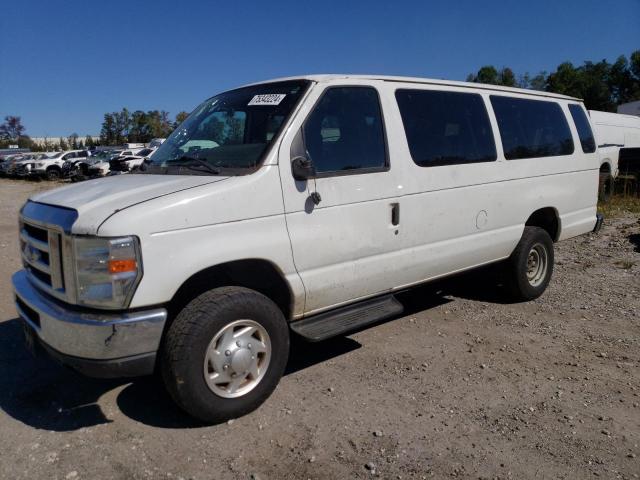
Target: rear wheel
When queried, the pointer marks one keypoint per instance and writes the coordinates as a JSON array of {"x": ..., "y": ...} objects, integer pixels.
[
  {"x": 225, "y": 353},
  {"x": 530, "y": 266}
]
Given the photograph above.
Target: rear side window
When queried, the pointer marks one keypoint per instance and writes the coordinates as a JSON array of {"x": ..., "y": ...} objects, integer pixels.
[
  {"x": 345, "y": 132},
  {"x": 587, "y": 140},
  {"x": 446, "y": 128},
  {"x": 531, "y": 128}
]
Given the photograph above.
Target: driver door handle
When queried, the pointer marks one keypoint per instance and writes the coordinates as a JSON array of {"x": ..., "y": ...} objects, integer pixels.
[{"x": 395, "y": 214}]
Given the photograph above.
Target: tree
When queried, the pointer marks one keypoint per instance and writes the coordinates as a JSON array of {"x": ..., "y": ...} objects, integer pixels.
[
  {"x": 487, "y": 74},
  {"x": 537, "y": 82},
  {"x": 180, "y": 117},
  {"x": 589, "y": 82},
  {"x": 634, "y": 60},
  {"x": 595, "y": 91},
  {"x": 139, "y": 130},
  {"x": 12, "y": 128},
  {"x": 73, "y": 141},
  {"x": 507, "y": 77},
  {"x": 88, "y": 141},
  {"x": 121, "y": 126},
  {"x": 108, "y": 131},
  {"x": 159, "y": 123},
  {"x": 566, "y": 79},
  {"x": 490, "y": 75}
]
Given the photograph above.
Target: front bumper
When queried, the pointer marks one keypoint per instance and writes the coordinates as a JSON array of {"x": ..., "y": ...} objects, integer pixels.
[{"x": 96, "y": 343}]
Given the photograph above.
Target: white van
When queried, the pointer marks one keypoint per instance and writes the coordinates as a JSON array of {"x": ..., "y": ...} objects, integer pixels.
[
  {"x": 299, "y": 204},
  {"x": 618, "y": 138}
]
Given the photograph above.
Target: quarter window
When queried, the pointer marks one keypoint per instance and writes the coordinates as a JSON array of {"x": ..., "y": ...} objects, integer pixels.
[
  {"x": 587, "y": 140},
  {"x": 531, "y": 128},
  {"x": 446, "y": 128},
  {"x": 345, "y": 132}
]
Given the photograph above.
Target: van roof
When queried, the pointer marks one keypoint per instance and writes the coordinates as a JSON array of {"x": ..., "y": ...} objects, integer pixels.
[
  {"x": 426, "y": 81},
  {"x": 614, "y": 119}
]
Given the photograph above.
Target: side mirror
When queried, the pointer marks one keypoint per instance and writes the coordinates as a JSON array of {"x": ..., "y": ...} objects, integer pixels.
[{"x": 302, "y": 168}]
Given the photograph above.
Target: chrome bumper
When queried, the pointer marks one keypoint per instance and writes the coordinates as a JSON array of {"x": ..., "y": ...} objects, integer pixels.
[{"x": 86, "y": 334}]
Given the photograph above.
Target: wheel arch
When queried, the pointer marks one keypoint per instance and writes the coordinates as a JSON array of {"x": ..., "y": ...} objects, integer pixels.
[
  {"x": 605, "y": 166},
  {"x": 257, "y": 274},
  {"x": 548, "y": 219}
]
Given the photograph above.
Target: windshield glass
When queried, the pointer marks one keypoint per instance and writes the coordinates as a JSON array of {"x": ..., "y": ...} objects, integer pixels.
[{"x": 232, "y": 130}]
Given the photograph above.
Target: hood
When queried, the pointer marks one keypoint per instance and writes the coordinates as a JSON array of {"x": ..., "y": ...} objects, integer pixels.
[{"x": 96, "y": 200}]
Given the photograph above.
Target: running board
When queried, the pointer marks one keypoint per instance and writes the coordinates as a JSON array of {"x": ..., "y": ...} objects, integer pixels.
[{"x": 345, "y": 319}]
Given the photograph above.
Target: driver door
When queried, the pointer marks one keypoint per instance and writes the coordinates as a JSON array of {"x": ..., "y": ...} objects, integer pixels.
[{"x": 344, "y": 246}]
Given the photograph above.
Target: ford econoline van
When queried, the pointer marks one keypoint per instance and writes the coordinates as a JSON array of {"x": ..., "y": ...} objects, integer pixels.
[{"x": 298, "y": 205}]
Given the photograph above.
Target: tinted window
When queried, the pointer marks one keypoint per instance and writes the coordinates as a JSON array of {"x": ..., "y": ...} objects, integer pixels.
[
  {"x": 531, "y": 128},
  {"x": 345, "y": 131},
  {"x": 584, "y": 129},
  {"x": 446, "y": 128}
]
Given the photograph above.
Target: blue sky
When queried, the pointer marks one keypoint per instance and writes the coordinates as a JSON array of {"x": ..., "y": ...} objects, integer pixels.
[{"x": 65, "y": 63}]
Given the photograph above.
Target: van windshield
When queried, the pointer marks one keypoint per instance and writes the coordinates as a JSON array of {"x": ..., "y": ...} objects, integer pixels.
[{"x": 229, "y": 133}]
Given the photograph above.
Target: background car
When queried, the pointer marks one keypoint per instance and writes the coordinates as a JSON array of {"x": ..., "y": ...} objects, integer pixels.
[
  {"x": 50, "y": 167},
  {"x": 81, "y": 168},
  {"x": 127, "y": 163},
  {"x": 25, "y": 165}
]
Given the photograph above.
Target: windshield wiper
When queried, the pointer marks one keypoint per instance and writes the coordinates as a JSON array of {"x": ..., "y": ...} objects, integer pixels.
[{"x": 193, "y": 163}]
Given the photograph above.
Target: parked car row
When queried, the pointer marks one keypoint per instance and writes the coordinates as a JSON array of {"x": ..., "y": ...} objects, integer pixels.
[{"x": 75, "y": 164}]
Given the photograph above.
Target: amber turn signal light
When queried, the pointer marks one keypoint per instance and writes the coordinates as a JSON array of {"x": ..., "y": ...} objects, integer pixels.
[{"x": 121, "y": 266}]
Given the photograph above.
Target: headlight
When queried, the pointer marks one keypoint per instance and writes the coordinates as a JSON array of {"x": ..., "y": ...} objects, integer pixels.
[{"x": 108, "y": 270}]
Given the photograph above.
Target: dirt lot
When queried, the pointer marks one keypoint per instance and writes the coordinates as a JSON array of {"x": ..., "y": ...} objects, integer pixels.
[{"x": 464, "y": 385}]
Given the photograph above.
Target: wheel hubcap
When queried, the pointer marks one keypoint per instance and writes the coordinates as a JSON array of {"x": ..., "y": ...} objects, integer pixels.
[
  {"x": 537, "y": 262},
  {"x": 237, "y": 358}
]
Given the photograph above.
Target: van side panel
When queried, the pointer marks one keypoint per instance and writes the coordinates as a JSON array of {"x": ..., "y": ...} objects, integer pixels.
[{"x": 459, "y": 216}]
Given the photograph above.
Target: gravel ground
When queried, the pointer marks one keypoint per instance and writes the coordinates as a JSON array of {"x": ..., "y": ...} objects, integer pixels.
[{"x": 465, "y": 385}]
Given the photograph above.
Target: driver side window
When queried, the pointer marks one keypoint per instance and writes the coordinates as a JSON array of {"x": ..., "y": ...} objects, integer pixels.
[{"x": 345, "y": 132}]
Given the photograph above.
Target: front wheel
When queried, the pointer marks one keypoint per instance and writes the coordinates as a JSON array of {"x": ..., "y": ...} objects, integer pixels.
[
  {"x": 53, "y": 174},
  {"x": 225, "y": 353},
  {"x": 530, "y": 266}
]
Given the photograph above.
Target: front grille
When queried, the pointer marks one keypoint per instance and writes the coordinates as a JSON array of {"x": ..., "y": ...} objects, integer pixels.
[
  {"x": 42, "y": 256},
  {"x": 46, "y": 247},
  {"x": 30, "y": 313},
  {"x": 37, "y": 232}
]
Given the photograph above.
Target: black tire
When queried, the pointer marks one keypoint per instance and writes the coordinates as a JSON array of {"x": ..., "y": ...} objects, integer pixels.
[
  {"x": 517, "y": 280},
  {"x": 605, "y": 187},
  {"x": 184, "y": 351},
  {"x": 53, "y": 174}
]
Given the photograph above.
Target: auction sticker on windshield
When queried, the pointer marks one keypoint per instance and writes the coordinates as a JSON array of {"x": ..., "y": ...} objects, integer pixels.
[{"x": 267, "y": 99}]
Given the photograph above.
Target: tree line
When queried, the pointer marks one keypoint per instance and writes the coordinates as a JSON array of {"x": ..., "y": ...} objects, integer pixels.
[
  {"x": 117, "y": 128},
  {"x": 602, "y": 85},
  {"x": 138, "y": 126}
]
